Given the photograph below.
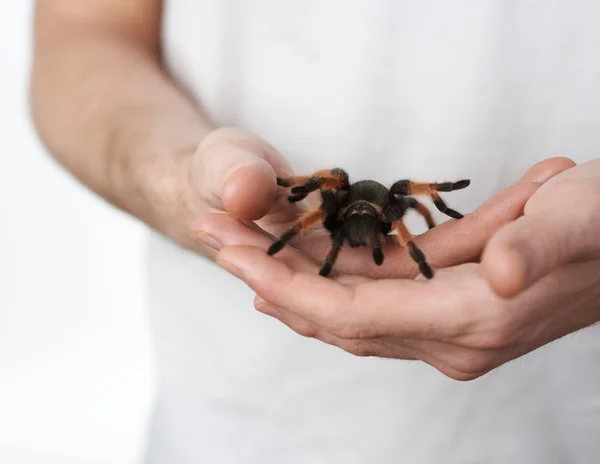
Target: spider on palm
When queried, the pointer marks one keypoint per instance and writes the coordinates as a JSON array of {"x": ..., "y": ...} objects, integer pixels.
[{"x": 364, "y": 212}]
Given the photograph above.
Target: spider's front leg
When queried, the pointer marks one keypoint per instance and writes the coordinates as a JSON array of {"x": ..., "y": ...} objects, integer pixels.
[
  {"x": 334, "y": 179},
  {"x": 408, "y": 187},
  {"x": 337, "y": 240},
  {"x": 422, "y": 210},
  {"x": 394, "y": 213},
  {"x": 302, "y": 223},
  {"x": 408, "y": 241}
]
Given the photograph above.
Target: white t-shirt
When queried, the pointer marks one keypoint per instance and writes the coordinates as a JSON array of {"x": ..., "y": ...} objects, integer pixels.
[{"x": 387, "y": 89}]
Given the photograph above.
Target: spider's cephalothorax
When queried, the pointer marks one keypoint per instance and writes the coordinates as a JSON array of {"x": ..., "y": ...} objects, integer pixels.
[{"x": 363, "y": 213}]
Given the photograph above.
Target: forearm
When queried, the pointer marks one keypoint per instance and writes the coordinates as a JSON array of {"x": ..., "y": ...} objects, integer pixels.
[{"x": 108, "y": 113}]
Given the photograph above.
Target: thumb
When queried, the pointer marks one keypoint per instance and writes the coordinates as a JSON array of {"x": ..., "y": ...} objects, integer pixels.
[
  {"x": 527, "y": 249},
  {"x": 236, "y": 171}
]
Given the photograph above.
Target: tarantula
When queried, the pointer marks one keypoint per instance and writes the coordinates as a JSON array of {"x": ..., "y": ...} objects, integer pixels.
[{"x": 364, "y": 212}]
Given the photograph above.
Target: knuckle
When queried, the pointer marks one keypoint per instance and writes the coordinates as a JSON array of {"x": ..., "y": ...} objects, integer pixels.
[
  {"x": 345, "y": 330},
  {"x": 301, "y": 326},
  {"x": 348, "y": 330},
  {"x": 463, "y": 377},
  {"x": 305, "y": 330},
  {"x": 360, "y": 349},
  {"x": 471, "y": 364}
]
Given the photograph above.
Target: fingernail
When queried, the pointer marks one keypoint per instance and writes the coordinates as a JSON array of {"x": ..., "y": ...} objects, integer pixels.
[
  {"x": 207, "y": 239},
  {"x": 267, "y": 309},
  {"x": 236, "y": 271}
]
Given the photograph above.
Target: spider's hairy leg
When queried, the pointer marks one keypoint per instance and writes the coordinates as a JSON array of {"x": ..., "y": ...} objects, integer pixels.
[
  {"x": 337, "y": 240},
  {"x": 376, "y": 242},
  {"x": 407, "y": 187},
  {"x": 334, "y": 179},
  {"x": 408, "y": 241},
  {"x": 451, "y": 186},
  {"x": 303, "y": 222},
  {"x": 420, "y": 208},
  {"x": 443, "y": 207},
  {"x": 291, "y": 181}
]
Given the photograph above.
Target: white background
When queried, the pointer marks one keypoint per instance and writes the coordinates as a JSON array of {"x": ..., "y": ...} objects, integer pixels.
[{"x": 76, "y": 378}]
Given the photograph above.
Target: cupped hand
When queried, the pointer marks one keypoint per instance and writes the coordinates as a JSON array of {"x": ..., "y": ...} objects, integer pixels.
[
  {"x": 455, "y": 322},
  {"x": 453, "y": 242},
  {"x": 233, "y": 171},
  {"x": 560, "y": 226}
]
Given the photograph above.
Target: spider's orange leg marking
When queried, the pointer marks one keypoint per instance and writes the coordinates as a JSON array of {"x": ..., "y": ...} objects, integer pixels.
[
  {"x": 334, "y": 179},
  {"x": 291, "y": 181},
  {"x": 424, "y": 211},
  {"x": 304, "y": 222},
  {"x": 407, "y": 187},
  {"x": 408, "y": 241}
]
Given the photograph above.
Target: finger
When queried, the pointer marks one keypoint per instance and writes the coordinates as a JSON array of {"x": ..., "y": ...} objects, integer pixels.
[
  {"x": 218, "y": 230},
  {"x": 463, "y": 368},
  {"x": 534, "y": 245},
  {"x": 461, "y": 241},
  {"x": 306, "y": 294},
  {"x": 544, "y": 170},
  {"x": 451, "y": 243},
  {"x": 221, "y": 230},
  {"x": 449, "y": 358},
  {"x": 237, "y": 233},
  {"x": 455, "y": 360},
  {"x": 310, "y": 329},
  {"x": 452, "y": 360},
  {"x": 236, "y": 171},
  {"x": 231, "y": 232},
  {"x": 363, "y": 309}
]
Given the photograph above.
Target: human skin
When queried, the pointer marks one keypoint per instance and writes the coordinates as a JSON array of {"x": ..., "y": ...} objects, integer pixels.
[
  {"x": 109, "y": 113},
  {"x": 538, "y": 280}
]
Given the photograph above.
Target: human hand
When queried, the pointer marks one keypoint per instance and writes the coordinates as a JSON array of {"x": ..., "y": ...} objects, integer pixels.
[
  {"x": 451, "y": 243},
  {"x": 231, "y": 171},
  {"x": 454, "y": 322},
  {"x": 559, "y": 226}
]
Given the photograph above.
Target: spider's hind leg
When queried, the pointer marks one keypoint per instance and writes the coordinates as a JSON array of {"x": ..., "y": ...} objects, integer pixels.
[{"x": 304, "y": 222}]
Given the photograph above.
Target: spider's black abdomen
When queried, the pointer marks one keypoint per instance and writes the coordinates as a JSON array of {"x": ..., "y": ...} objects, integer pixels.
[{"x": 368, "y": 190}]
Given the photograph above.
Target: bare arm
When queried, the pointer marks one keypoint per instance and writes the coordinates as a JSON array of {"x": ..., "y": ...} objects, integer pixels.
[{"x": 108, "y": 112}]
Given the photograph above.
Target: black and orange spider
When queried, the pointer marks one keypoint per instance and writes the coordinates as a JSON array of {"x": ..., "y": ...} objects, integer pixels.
[{"x": 364, "y": 212}]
